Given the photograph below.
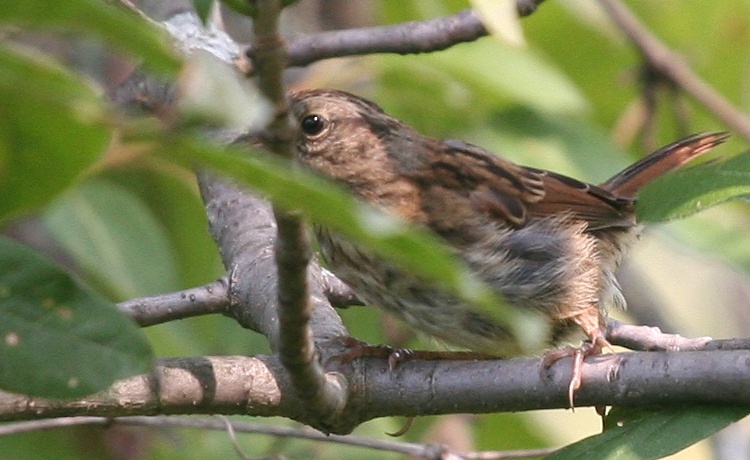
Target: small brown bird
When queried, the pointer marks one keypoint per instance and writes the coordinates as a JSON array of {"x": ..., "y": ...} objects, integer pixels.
[{"x": 544, "y": 241}]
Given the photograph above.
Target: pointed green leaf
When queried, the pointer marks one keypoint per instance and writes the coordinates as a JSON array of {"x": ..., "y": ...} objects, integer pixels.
[
  {"x": 691, "y": 190},
  {"x": 203, "y": 8},
  {"x": 651, "y": 434},
  {"x": 242, "y": 7},
  {"x": 57, "y": 338}
]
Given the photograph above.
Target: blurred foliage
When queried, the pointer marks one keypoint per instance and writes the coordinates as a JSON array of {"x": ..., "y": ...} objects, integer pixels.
[
  {"x": 570, "y": 101},
  {"x": 44, "y": 109},
  {"x": 109, "y": 21}
]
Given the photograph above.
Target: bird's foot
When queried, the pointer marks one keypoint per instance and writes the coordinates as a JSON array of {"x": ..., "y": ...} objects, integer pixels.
[
  {"x": 394, "y": 355},
  {"x": 578, "y": 354},
  {"x": 358, "y": 349}
]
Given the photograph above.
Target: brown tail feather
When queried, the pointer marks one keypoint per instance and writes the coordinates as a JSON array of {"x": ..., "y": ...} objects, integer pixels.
[{"x": 628, "y": 181}]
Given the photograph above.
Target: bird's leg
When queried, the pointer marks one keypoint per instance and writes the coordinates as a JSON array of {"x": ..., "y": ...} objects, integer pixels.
[
  {"x": 578, "y": 354},
  {"x": 595, "y": 328}
]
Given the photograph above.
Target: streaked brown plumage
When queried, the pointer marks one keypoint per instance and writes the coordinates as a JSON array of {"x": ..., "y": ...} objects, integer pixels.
[{"x": 545, "y": 241}]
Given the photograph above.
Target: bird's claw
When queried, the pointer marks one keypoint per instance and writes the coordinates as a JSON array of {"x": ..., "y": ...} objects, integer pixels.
[
  {"x": 578, "y": 354},
  {"x": 358, "y": 349}
]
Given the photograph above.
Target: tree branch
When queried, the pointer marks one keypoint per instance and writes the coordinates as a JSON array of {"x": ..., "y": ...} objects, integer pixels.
[
  {"x": 202, "y": 300},
  {"x": 426, "y": 451},
  {"x": 260, "y": 386},
  {"x": 228, "y": 385},
  {"x": 244, "y": 230},
  {"x": 405, "y": 38},
  {"x": 324, "y": 396},
  {"x": 338, "y": 293},
  {"x": 650, "y": 338},
  {"x": 214, "y": 298}
]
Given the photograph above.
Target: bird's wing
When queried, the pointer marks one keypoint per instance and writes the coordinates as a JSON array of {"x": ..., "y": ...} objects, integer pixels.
[{"x": 514, "y": 194}]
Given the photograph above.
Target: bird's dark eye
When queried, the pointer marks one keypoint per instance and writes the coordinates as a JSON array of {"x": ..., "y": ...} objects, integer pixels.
[{"x": 313, "y": 124}]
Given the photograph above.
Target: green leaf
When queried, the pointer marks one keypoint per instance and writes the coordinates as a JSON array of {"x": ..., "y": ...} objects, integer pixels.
[
  {"x": 119, "y": 27},
  {"x": 242, "y": 7},
  {"x": 59, "y": 339},
  {"x": 325, "y": 203},
  {"x": 248, "y": 8},
  {"x": 53, "y": 129},
  {"x": 691, "y": 190},
  {"x": 115, "y": 238},
  {"x": 651, "y": 434}
]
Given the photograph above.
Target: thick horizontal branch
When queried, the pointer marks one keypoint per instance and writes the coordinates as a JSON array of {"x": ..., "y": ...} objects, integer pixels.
[
  {"x": 204, "y": 385},
  {"x": 259, "y": 386},
  {"x": 628, "y": 379}
]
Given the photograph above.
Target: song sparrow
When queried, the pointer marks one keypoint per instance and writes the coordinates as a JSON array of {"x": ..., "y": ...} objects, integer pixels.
[{"x": 544, "y": 241}]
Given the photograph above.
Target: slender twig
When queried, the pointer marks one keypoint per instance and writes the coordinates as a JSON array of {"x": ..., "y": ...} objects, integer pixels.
[
  {"x": 650, "y": 338},
  {"x": 427, "y": 451},
  {"x": 324, "y": 398},
  {"x": 338, "y": 293},
  {"x": 672, "y": 66},
  {"x": 11, "y": 429},
  {"x": 408, "y": 448},
  {"x": 202, "y": 300},
  {"x": 404, "y": 38},
  {"x": 233, "y": 437}
]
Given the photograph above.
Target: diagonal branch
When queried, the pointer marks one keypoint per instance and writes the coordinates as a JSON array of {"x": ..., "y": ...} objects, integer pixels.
[
  {"x": 243, "y": 227},
  {"x": 672, "y": 66},
  {"x": 324, "y": 397}
]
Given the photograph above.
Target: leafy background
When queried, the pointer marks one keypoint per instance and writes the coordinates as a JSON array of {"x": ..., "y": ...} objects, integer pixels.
[{"x": 130, "y": 224}]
